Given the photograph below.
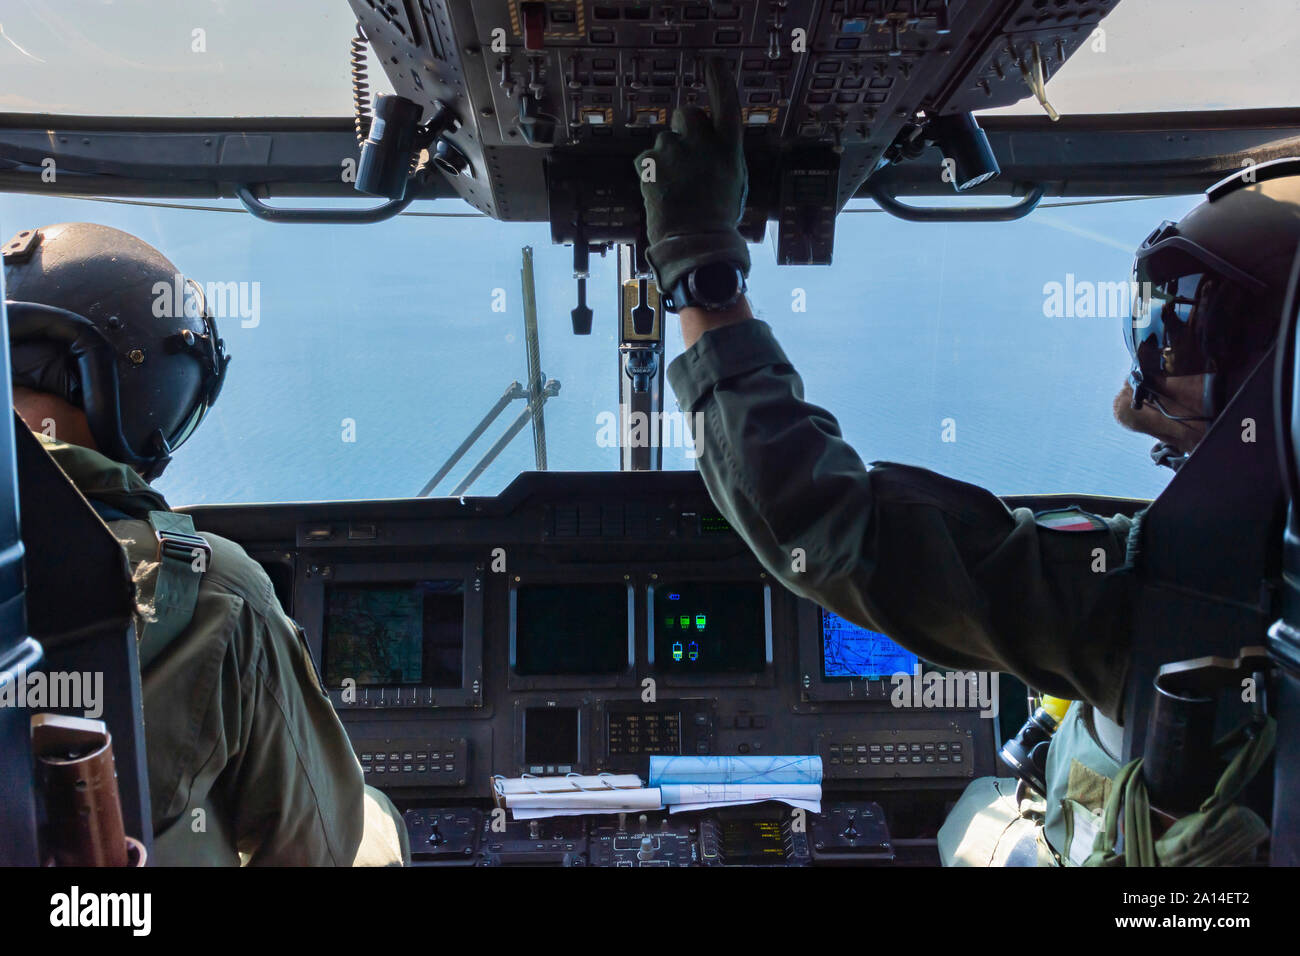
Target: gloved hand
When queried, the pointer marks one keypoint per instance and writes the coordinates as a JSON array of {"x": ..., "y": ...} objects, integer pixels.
[{"x": 695, "y": 185}]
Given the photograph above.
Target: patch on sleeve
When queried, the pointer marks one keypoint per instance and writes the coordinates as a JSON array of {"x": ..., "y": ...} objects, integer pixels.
[{"x": 1069, "y": 519}]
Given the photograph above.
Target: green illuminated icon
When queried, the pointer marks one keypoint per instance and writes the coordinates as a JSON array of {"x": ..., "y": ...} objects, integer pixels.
[
  {"x": 699, "y": 622},
  {"x": 686, "y": 622},
  {"x": 668, "y": 623}
]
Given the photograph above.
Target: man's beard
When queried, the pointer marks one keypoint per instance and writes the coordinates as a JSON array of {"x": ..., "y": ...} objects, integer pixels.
[{"x": 1148, "y": 421}]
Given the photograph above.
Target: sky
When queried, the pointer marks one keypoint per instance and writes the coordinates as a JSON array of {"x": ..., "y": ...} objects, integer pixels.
[{"x": 288, "y": 57}]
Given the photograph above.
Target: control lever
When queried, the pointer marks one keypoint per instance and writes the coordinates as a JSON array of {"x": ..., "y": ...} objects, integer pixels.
[
  {"x": 643, "y": 317},
  {"x": 435, "y": 836},
  {"x": 581, "y": 315}
]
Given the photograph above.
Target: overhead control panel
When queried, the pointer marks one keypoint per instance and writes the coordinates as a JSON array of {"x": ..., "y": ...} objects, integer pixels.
[{"x": 552, "y": 100}]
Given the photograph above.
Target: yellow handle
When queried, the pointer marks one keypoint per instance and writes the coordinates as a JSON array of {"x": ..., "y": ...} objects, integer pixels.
[{"x": 1056, "y": 706}]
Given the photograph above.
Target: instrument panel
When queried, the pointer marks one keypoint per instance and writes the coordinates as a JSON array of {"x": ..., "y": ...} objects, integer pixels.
[{"x": 581, "y": 624}]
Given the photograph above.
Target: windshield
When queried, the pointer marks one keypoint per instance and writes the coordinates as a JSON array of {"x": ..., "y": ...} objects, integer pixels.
[
  {"x": 364, "y": 355},
  {"x": 289, "y": 58}
]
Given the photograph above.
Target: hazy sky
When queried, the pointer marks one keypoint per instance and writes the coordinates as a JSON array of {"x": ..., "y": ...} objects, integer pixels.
[{"x": 289, "y": 57}]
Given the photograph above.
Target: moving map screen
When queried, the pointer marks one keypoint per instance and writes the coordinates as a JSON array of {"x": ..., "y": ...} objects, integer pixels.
[
  {"x": 850, "y": 652},
  {"x": 409, "y": 633}
]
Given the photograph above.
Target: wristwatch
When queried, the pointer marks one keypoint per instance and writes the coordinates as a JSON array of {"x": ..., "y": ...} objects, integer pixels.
[{"x": 714, "y": 286}]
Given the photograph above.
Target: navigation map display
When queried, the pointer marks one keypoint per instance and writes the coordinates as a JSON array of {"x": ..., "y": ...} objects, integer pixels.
[
  {"x": 850, "y": 652},
  {"x": 409, "y": 633}
]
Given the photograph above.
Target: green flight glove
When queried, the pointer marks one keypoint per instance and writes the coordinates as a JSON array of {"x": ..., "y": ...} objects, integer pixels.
[{"x": 694, "y": 183}]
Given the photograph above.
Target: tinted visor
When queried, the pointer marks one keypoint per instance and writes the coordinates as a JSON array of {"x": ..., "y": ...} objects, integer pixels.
[
  {"x": 1161, "y": 317},
  {"x": 210, "y": 350},
  {"x": 1171, "y": 275}
]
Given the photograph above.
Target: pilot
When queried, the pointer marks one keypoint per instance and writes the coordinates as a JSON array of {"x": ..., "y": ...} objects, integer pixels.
[
  {"x": 941, "y": 566},
  {"x": 247, "y": 759}
]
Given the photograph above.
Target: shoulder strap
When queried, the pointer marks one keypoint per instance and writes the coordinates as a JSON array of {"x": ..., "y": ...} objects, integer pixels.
[{"x": 183, "y": 557}]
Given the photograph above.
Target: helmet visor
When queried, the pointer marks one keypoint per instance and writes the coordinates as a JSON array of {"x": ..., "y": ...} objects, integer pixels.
[
  {"x": 1161, "y": 317},
  {"x": 209, "y": 349},
  {"x": 1171, "y": 275}
]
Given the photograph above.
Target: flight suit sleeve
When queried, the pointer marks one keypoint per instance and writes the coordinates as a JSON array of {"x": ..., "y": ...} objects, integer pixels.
[{"x": 942, "y": 567}]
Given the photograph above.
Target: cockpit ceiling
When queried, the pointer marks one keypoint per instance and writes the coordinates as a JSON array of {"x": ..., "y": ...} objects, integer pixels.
[{"x": 836, "y": 80}]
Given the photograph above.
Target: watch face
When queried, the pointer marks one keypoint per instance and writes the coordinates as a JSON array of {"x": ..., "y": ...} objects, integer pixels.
[{"x": 716, "y": 282}]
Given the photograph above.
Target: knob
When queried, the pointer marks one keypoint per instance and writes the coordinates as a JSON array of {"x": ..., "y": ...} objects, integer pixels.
[{"x": 647, "y": 851}]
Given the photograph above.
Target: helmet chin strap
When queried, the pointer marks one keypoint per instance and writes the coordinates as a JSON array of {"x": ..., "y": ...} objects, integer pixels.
[{"x": 1154, "y": 399}]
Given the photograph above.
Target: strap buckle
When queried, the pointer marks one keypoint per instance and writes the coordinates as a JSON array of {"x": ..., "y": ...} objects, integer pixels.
[{"x": 182, "y": 545}]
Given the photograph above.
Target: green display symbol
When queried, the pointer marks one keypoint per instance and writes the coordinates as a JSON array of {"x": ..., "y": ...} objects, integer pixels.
[
  {"x": 699, "y": 622},
  {"x": 686, "y": 622}
]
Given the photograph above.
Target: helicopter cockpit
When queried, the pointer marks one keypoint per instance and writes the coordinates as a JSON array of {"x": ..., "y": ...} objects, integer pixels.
[{"x": 448, "y": 436}]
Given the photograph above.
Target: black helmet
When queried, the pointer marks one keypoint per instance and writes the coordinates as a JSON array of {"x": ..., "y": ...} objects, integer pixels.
[
  {"x": 105, "y": 321},
  {"x": 1208, "y": 289}
]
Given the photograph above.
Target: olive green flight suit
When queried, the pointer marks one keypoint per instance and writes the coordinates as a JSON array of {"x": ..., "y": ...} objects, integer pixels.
[
  {"x": 247, "y": 759},
  {"x": 943, "y": 567},
  {"x": 997, "y": 823}
]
